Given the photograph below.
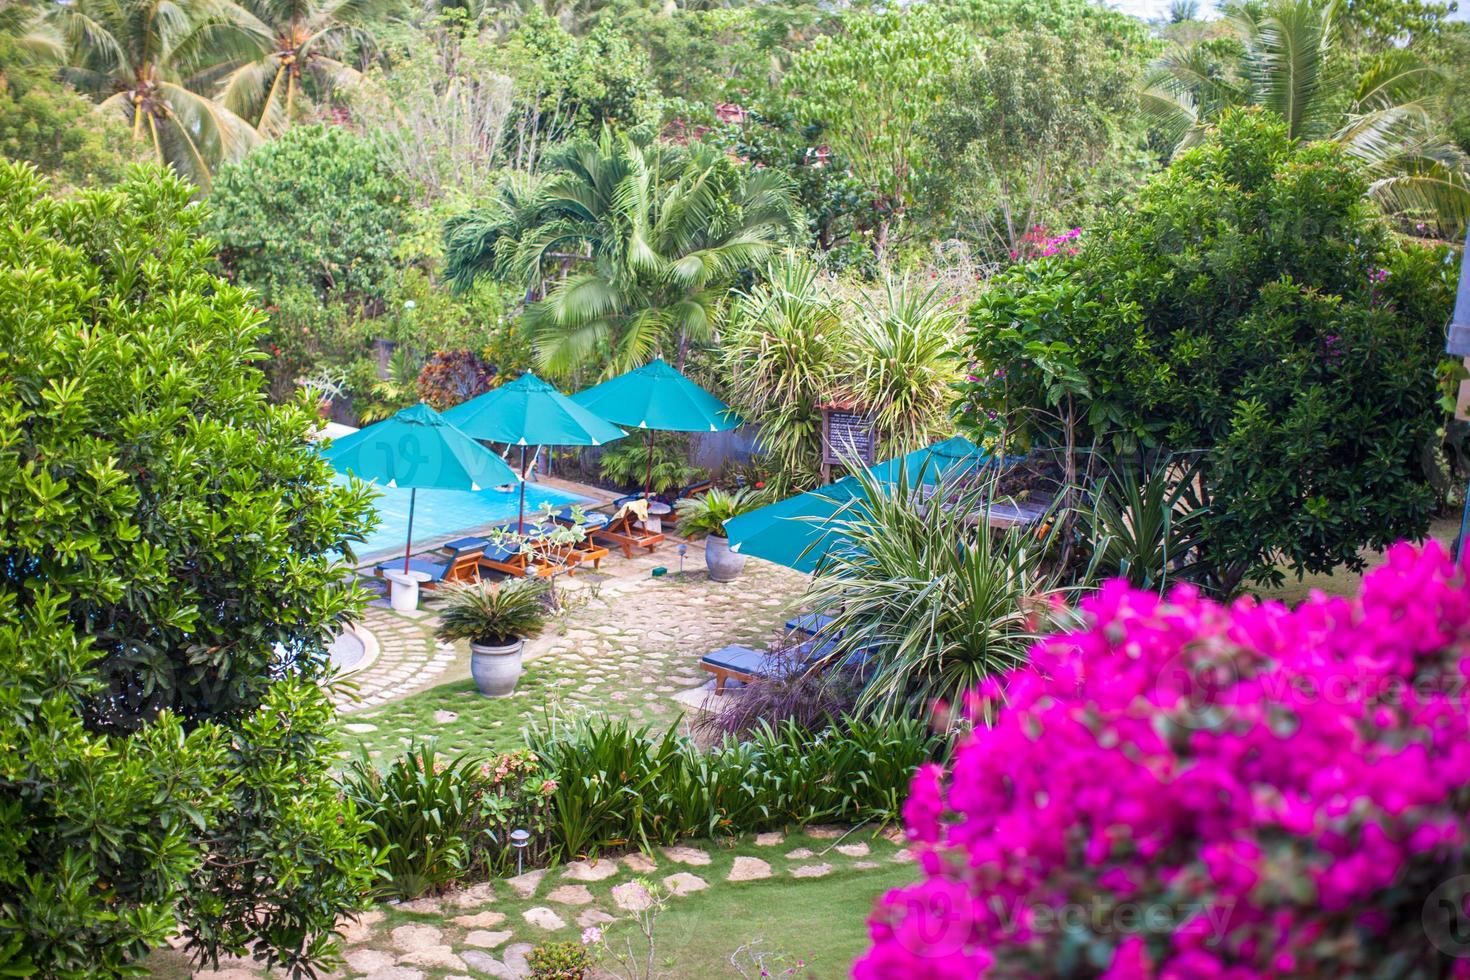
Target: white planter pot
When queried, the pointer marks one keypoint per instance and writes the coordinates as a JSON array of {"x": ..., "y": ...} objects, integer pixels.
[
  {"x": 724, "y": 564},
  {"x": 496, "y": 669},
  {"x": 403, "y": 590}
]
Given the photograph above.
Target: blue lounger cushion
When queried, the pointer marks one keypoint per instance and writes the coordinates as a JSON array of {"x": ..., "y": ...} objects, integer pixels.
[
  {"x": 435, "y": 570},
  {"x": 591, "y": 520},
  {"x": 809, "y": 623},
  {"x": 465, "y": 544},
  {"x": 766, "y": 663},
  {"x": 501, "y": 552}
]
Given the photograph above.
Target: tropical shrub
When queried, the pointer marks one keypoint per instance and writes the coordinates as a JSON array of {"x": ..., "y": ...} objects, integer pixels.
[
  {"x": 317, "y": 208},
  {"x": 626, "y": 463},
  {"x": 170, "y": 575},
  {"x": 1189, "y": 789},
  {"x": 54, "y": 128},
  {"x": 493, "y": 614},
  {"x": 450, "y": 377},
  {"x": 618, "y": 786},
  {"x": 1144, "y": 529},
  {"x": 813, "y": 700},
  {"x": 1248, "y": 304},
  {"x": 928, "y": 604},
  {"x": 707, "y": 513},
  {"x": 442, "y": 822},
  {"x": 569, "y": 960}
]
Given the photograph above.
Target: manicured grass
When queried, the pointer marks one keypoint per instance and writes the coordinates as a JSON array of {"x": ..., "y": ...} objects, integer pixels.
[
  {"x": 481, "y": 725},
  {"x": 1343, "y": 582}
]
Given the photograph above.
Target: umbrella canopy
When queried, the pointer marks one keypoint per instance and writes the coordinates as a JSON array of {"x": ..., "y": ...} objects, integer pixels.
[
  {"x": 530, "y": 412},
  {"x": 417, "y": 449},
  {"x": 939, "y": 463},
  {"x": 656, "y": 396},
  {"x": 792, "y": 532}
]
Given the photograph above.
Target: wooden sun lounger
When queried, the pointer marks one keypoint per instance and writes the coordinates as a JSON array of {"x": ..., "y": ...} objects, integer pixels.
[
  {"x": 743, "y": 664},
  {"x": 510, "y": 558},
  {"x": 462, "y": 565},
  {"x": 624, "y": 532}
]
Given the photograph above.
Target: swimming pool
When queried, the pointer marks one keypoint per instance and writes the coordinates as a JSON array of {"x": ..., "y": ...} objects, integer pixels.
[{"x": 449, "y": 513}]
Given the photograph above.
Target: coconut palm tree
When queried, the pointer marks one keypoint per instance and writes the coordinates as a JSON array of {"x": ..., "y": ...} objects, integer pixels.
[
  {"x": 632, "y": 245},
  {"x": 1287, "y": 59},
  {"x": 309, "y": 38},
  {"x": 148, "y": 60}
]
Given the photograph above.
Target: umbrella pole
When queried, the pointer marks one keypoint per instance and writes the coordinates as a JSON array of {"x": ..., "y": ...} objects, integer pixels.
[
  {"x": 648, "y": 473},
  {"x": 408, "y": 544},
  {"x": 521, "y": 521}
]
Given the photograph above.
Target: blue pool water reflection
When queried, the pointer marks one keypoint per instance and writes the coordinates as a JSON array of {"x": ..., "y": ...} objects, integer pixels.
[{"x": 450, "y": 513}]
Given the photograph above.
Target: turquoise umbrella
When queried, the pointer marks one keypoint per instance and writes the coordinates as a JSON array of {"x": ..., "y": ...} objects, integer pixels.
[
  {"x": 794, "y": 532},
  {"x": 656, "y": 396},
  {"x": 418, "y": 449},
  {"x": 530, "y": 412}
]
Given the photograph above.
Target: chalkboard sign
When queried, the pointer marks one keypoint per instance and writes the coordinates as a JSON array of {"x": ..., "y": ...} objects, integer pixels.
[{"x": 847, "y": 437}]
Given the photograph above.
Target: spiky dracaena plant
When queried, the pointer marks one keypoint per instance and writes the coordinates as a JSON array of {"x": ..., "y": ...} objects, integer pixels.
[{"x": 926, "y": 597}]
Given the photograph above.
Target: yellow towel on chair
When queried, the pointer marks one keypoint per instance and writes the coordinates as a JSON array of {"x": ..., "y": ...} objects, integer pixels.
[{"x": 636, "y": 509}]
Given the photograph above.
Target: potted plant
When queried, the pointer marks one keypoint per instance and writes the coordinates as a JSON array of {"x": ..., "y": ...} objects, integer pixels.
[
  {"x": 707, "y": 514},
  {"x": 497, "y": 620}
]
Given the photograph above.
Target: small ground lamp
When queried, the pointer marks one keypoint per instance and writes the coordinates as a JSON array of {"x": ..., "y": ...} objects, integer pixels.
[
  {"x": 1458, "y": 345},
  {"x": 520, "y": 839}
]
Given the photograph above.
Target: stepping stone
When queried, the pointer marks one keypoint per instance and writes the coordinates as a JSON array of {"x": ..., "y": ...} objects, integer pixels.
[
  {"x": 594, "y": 917},
  {"x": 811, "y": 870},
  {"x": 853, "y": 850},
  {"x": 824, "y": 832},
  {"x": 590, "y": 870},
  {"x": 865, "y": 865},
  {"x": 687, "y": 855},
  {"x": 639, "y": 863},
  {"x": 769, "y": 840},
  {"x": 543, "y": 918},
  {"x": 800, "y": 854},
  {"x": 474, "y": 895},
  {"x": 227, "y": 975},
  {"x": 903, "y": 856},
  {"x": 445, "y": 717},
  {"x": 417, "y": 936},
  {"x": 396, "y": 973},
  {"x": 421, "y": 906},
  {"x": 368, "y": 960},
  {"x": 360, "y": 728},
  {"x": 748, "y": 869},
  {"x": 487, "y": 964},
  {"x": 489, "y": 940},
  {"x": 480, "y": 920},
  {"x": 515, "y": 958},
  {"x": 359, "y": 929},
  {"x": 631, "y": 896},
  {"x": 570, "y": 895},
  {"x": 684, "y": 883},
  {"x": 525, "y": 885},
  {"x": 438, "y": 957}
]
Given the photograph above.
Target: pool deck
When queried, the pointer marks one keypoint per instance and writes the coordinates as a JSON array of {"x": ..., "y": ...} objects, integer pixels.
[{"x": 598, "y": 496}]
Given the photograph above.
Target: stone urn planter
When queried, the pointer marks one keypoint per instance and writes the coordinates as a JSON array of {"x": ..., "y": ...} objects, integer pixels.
[
  {"x": 496, "y": 669},
  {"x": 724, "y": 564}
]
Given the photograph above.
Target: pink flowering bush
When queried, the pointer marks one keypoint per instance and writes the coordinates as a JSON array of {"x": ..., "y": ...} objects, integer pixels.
[{"x": 1185, "y": 790}]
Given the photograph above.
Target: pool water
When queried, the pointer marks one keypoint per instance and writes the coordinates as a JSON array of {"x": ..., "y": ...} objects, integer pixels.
[{"x": 441, "y": 514}]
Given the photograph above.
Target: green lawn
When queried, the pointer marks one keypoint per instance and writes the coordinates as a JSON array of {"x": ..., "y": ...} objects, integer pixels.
[{"x": 1344, "y": 582}]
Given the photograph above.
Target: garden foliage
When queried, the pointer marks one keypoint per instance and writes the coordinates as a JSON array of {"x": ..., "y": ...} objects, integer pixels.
[
  {"x": 168, "y": 580},
  {"x": 1248, "y": 304},
  {"x": 1190, "y": 789}
]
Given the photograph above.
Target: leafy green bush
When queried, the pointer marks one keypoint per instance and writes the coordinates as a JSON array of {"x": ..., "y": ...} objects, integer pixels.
[
  {"x": 315, "y": 208},
  {"x": 440, "y": 823},
  {"x": 44, "y": 123},
  {"x": 568, "y": 960},
  {"x": 619, "y": 786},
  {"x": 1249, "y": 304},
  {"x": 169, "y": 575},
  {"x": 625, "y": 463}
]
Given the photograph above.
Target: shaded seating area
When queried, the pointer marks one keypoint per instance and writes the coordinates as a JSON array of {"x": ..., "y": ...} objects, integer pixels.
[{"x": 461, "y": 564}]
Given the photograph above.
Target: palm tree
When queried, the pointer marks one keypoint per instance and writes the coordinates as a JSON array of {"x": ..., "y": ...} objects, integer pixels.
[
  {"x": 1286, "y": 60},
  {"x": 308, "y": 41},
  {"x": 25, "y": 38},
  {"x": 631, "y": 244},
  {"x": 148, "y": 59}
]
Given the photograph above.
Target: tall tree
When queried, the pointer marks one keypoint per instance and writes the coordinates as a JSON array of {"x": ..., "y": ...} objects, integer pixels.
[
  {"x": 149, "y": 60},
  {"x": 633, "y": 245},
  {"x": 309, "y": 40},
  {"x": 170, "y": 576},
  {"x": 1287, "y": 57}
]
